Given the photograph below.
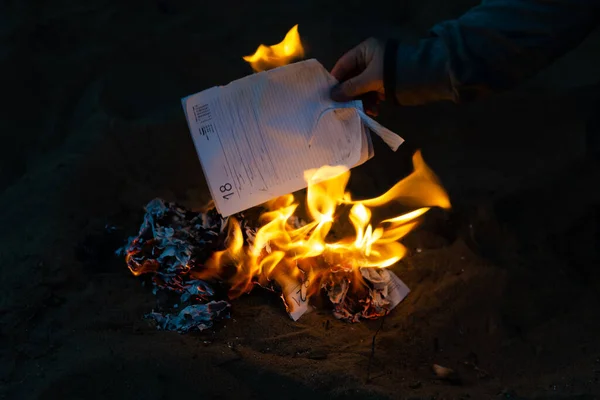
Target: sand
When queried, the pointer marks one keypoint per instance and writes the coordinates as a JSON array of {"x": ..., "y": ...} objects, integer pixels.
[{"x": 94, "y": 129}]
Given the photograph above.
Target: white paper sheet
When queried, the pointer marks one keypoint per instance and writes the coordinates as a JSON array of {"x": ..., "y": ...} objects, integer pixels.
[
  {"x": 256, "y": 136},
  {"x": 296, "y": 299}
]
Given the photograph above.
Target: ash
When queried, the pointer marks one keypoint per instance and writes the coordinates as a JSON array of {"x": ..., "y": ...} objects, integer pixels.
[{"x": 171, "y": 244}]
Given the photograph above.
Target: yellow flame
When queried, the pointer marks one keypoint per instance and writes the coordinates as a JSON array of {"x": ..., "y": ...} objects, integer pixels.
[
  {"x": 267, "y": 57},
  {"x": 284, "y": 252},
  {"x": 288, "y": 253},
  {"x": 423, "y": 181}
]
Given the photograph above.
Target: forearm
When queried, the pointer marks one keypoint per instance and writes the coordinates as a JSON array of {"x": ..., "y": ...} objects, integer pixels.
[{"x": 493, "y": 47}]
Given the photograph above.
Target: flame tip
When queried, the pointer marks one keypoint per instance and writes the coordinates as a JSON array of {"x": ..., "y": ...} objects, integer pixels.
[{"x": 268, "y": 57}]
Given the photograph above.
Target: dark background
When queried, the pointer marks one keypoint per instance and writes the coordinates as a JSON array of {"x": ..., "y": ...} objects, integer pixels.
[{"x": 92, "y": 129}]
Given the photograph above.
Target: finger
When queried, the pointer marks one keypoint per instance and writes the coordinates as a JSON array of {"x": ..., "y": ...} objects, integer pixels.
[
  {"x": 347, "y": 65},
  {"x": 351, "y": 88}
]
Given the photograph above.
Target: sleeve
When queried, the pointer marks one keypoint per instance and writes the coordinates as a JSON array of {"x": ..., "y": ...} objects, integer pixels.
[{"x": 492, "y": 47}]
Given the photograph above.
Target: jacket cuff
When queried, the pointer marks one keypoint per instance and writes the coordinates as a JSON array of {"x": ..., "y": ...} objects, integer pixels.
[{"x": 422, "y": 74}]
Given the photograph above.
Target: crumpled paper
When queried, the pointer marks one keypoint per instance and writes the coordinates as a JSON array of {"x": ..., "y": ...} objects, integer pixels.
[
  {"x": 173, "y": 242},
  {"x": 384, "y": 291},
  {"x": 193, "y": 317}
]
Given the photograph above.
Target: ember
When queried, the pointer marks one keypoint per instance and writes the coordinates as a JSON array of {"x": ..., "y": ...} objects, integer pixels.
[{"x": 170, "y": 243}]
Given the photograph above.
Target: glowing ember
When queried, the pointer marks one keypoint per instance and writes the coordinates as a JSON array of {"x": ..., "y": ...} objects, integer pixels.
[{"x": 267, "y": 57}]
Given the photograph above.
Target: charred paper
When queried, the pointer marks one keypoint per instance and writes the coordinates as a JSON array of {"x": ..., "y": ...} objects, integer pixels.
[{"x": 173, "y": 246}]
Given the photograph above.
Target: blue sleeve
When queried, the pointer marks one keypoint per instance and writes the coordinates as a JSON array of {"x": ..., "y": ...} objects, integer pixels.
[{"x": 492, "y": 47}]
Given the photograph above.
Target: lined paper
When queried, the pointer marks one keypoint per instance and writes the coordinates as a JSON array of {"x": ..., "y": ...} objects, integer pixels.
[{"x": 256, "y": 136}]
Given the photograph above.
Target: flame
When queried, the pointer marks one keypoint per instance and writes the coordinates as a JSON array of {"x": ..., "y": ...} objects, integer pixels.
[
  {"x": 306, "y": 255},
  {"x": 299, "y": 257},
  {"x": 267, "y": 57},
  {"x": 286, "y": 253}
]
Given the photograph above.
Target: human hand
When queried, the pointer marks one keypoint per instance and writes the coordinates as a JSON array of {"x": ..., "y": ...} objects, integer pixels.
[{"x": 360, "y": 73}]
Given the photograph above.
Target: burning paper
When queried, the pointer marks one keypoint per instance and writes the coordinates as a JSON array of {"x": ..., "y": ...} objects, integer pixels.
[
  {"x": 383, "y": 291},
  {"x": 295, "y": 298},
  {"x": 305, "y": 258},
  {"x": 184, "y": 251},
  {"x": 259, "y": 139},
  {"x": 171, "y": 243}
]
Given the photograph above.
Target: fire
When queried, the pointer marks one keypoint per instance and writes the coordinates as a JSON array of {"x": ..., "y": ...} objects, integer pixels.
[
  {"x": 298, "y": 250},
  {"x": 267, "y": 57},
  {"x": 289, "y": 253},
  {"x": 306, "y": 255}
]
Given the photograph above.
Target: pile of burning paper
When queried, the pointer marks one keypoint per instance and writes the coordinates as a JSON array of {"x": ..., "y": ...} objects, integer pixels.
[
  {"x": 206, "y": 260},
  {"x": 284, "y": 134},
  {"x": 171, "y": 243}
]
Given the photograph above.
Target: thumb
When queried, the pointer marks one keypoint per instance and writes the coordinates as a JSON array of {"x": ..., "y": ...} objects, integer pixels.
[{"x": 351, "y": 88}]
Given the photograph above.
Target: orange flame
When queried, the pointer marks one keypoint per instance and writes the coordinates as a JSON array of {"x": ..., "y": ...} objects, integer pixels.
[
  {"x": 267, "y": 57},
  {"x": 284, "y": 252},
  {"x": 306, "y": 256}
]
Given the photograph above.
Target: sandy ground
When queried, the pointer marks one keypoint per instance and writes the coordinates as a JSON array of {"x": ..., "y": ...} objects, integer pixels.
[{"x": 93, "y": 129}]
